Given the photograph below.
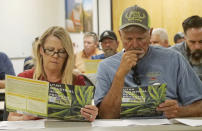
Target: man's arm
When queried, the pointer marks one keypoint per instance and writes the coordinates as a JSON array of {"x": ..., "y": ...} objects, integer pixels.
[
  {"x": 110, "y": 105},
  {"x": 109, "y": 108},
  {"x": 2, "y": 84},
  {"x": 191, "y": 110},
  {"x": 172, "y": 110}
]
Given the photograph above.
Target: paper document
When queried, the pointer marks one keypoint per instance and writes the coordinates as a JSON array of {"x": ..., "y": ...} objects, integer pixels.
[
  {"x": 44, "y": 99},
  {"x": 1, "y": 105},
  {"x": 91, "y": 66},
  {"x": 142, "y": 101},
  {"x": 27, "y": 95},
  {"x": 22, "y": 124},
  {"x": 190, "y": 122},
  {"x": 108, "y": 123},
  {"x": 124, "y": 122},
  {"x": 147, "y": 122}
]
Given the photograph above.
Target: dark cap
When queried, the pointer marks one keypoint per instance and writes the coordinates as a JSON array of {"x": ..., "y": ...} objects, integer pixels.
[
  {"x": 135, "y": 15},
  {"x": 108, "y": 34},
  {"x": 179, "y": 35}
]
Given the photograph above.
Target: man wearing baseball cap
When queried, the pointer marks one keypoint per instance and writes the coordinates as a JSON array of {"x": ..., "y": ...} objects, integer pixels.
[
  {"x": 179, "y": 37},
  {"x": 150, "y": 65},
  {"x": 109, "y": 44}
]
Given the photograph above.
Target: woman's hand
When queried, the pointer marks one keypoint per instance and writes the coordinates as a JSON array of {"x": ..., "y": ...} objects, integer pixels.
[
  {"x": 13, "y": 116},
  {"x": 89, "y": 112}
]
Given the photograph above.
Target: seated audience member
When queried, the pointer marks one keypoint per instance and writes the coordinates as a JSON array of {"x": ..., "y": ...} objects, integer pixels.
[
  {"x": 6, "y": 67},
  {"x": 29, "y": 61},
  {"x": 90, "y": 49},
  {"x": 109, "y": 44},
  {"x": 55, "y": 63},
  {"x": 184, "y": 89},
  {"x": 179, "y": 37},
  {"x": 159, "y": 37},
  {"x": 191, "y": 48}
]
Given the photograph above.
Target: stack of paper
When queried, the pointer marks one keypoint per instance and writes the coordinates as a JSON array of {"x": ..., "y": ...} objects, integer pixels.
[
  {"x": 124, "y": 122},
  {"x": 36, "y": 124}
]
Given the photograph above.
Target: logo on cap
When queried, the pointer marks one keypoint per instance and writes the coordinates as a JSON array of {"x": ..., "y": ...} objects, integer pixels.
[
  {"x": 135, "y": 15},
  {"x": 106, "y": 34}
]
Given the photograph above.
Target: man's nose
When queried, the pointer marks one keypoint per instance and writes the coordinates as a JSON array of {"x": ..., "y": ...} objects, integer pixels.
[
  {"x": 107, "y": 44},
  {"x": 198, "y": 46},
  {"x": 134, "y": 43}
]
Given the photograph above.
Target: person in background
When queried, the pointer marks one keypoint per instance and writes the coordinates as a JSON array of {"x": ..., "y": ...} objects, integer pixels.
[
  {"x": 90, "y": 49},
  {"x": 153, "y": 64},
  {"x": 109, "y": 44},
  {"x": 179, "y": 37},
  {"x": 191, "y": 48},
  {"x": 159, "y": 37},
  {"x": 6, "y": 67},
  {"x": 55, "y": 63},
  {"x": 29, "y": 61}
]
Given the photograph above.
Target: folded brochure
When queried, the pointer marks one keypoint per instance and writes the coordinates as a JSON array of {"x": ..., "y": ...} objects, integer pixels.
[
  {"x": 44, "y": 99},
  {"x": 142, "y": 101}
]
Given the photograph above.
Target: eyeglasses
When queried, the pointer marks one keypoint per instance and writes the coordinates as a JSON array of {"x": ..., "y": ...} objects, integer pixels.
[
  {"x": 136, "y": 77},
  {"x": 51, "y": 52}
]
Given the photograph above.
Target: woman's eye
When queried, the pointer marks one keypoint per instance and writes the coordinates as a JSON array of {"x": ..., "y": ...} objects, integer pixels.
[{"x": 50, "y": 49}]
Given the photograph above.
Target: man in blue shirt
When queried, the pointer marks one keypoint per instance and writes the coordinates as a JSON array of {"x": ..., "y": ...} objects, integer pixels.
[
  {"x": 191, "y": 49},
  {"x": 109, "y": 45},
  {"x": 6, "y": 67},
  {"x": 153, "y": 64}
]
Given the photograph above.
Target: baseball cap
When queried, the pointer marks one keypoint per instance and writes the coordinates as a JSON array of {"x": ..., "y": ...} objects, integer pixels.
[
  {"x": 135, "y": 15},
  {"x": 179, "y": 35},
  {"x": 108, "y": 34}
]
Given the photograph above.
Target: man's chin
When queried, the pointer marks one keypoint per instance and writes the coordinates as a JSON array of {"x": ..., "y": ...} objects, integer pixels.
[
  {"x": 195, "y": 61},
  {"x": 109, "y": 53}
]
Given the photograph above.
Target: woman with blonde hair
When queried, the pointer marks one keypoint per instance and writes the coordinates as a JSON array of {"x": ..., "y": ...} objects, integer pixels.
[{"x": 54, "y": 58}]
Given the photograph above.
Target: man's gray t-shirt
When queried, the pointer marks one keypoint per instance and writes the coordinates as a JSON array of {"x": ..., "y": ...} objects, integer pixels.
[
  {"x": 159, "y": 65},
  {"x": 181, "y": 47}
]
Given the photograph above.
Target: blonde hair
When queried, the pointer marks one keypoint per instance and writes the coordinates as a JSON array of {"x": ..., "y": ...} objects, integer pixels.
[{"x": 63, "y": 36}]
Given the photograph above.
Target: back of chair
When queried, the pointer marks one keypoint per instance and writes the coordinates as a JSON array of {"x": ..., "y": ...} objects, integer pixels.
[
  {"x": 88, "y": 82},
  {"x": 5, "y": 115}
]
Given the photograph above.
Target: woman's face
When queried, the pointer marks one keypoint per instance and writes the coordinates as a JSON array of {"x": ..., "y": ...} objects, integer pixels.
[{"x": 53, "y": 54}]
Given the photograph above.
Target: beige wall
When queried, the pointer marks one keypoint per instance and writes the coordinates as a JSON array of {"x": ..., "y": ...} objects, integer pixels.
[{"x": 167, "y": 14}]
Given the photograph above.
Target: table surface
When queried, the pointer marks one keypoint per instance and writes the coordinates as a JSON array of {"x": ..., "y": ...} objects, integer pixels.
[{"x": 86, "y": 126}]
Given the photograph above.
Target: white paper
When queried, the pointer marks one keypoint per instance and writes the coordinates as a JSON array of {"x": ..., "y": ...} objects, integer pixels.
[
  {"x": 1, "y": 105},
  {"x": 147, "y": 121},
  {"x": 108, "y": 123},
  {"x": 190, "y": 122},
  {"x": 36, "y": 124},
  {"x": 124, "y": 122}
]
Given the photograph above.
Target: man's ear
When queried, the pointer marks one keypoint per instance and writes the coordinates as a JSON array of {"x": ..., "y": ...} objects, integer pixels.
[
  {"x": 117, "y": 43},
  {"x": 120, "y": 34},
  {"x": 185, "y": 37},
  {"x": 97, "y": 45},
  {"x": 150, "y": 31}
]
